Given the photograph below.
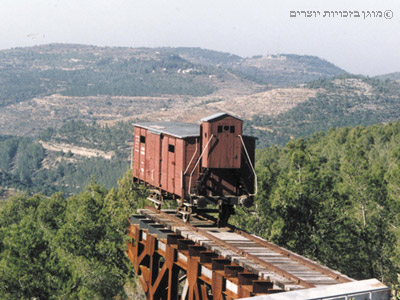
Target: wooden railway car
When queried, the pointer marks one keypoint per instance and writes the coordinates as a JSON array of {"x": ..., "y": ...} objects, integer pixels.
[{"x": 196, "y": 165}]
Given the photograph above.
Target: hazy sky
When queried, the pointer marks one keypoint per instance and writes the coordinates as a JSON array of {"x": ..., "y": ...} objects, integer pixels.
[{"x": 368, "y": 46}]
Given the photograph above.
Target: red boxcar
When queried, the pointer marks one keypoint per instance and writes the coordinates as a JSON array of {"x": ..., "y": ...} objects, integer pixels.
[{"x": 196, "y": 164}]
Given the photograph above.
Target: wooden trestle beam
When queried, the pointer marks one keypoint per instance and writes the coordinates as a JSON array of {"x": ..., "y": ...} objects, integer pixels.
[{"x": 172, "y": 267}]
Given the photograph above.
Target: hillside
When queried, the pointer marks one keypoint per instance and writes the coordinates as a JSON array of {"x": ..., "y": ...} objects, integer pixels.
[
  {"x": 77, "y": 70},
  {"x": 285, "y": 69},
  {"x": 274, "y": 70},
  {"x": 65, "y": 159},
  {"x": 69, "y": 155},
  {"x": 345, "y": 101},
  {"x": 82, "y": 71},
  {"x": 47, "y": 85},
  {"x": 391, "y": 76}
]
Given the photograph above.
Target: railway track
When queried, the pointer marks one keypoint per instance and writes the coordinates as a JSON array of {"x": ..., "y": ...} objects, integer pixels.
[{"x": 265, "y": 260}]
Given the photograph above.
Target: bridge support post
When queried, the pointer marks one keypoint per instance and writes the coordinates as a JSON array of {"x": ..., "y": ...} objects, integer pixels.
[{"x": 172, "y": 267}]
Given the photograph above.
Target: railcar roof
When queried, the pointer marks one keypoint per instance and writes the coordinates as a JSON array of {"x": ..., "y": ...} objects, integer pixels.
[
  {"x": 216, "y": 116},
  {"x": 177, "y": 129}
]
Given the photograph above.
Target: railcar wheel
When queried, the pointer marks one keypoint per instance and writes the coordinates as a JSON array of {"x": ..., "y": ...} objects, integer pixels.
[
  {"x": 225, "y": 211},
  {"x": 187, "y": 211},
  {"x": 157, "y": 205}
]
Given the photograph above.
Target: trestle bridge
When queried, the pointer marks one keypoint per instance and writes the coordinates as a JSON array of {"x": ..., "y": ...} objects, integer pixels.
[{"x": 199, "y": 260}]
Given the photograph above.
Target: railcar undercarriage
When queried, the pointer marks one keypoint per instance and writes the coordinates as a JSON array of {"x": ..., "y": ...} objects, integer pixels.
[
  {"x": 201, "y": 202},
  {"x": 197, "y": 205},
  {"x": 224, "y": 207}
]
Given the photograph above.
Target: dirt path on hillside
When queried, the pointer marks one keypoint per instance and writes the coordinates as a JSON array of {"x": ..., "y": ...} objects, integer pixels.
[{"x": 87, "y": 152}]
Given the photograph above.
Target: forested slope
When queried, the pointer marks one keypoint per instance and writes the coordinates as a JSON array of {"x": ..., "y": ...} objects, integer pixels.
[
  {"x": 82, "y": 70},
  {"x": 79, "y": 70},
  {"x": 68, "y": 248},
  {"x": 275, "y": 69},
  {"x": 27, "y": 166},
  {"x": 334, "y": 197},
  {"x": 344, "y": 101}
]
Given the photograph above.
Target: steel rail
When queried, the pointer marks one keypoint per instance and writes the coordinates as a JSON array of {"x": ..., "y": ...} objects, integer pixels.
[
  {"x": 294, "y": 257},
  {"x": 236, "y": 250}
]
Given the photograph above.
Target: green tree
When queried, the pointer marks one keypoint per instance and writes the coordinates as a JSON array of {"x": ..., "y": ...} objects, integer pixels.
[{"x": 74, "y": 248}]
